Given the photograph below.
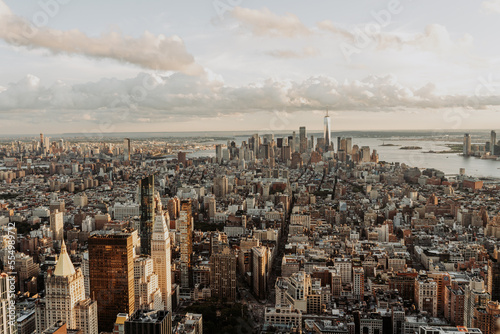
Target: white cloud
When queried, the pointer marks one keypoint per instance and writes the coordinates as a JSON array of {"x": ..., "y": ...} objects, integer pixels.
[
  {"x": 157, "y": 52},
  {"x": 265, "y": 23},
  {"x": 491, "y": 5},
  {"x": 329, "y": 26},
  {"x": 180, "y": 96},
  {"x": 304, "y": 53},
  {"x": 435, "y": 37}
]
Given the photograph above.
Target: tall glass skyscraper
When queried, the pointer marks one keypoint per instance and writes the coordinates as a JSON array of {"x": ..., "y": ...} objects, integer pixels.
[
  {"x": 147, "y": 186},
  {"x": 493, "y": 142},
  {"x": 327, "y": 132}
]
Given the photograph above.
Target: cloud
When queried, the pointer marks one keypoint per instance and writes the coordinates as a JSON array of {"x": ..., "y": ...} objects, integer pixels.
[
  {"x": 181, "y": 97},
  {"x": 265, "y": 23},
  {"x": 157, "y": 52},
  {"x": 305, "y": 53},
  {"x": 435, "y": 38},
  {"x": 491, "y": 6},
  {"x": 329, "y": 26}
]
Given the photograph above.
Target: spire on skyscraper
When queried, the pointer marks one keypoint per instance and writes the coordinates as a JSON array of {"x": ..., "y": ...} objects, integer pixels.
[{"x": 64, "y": 266}]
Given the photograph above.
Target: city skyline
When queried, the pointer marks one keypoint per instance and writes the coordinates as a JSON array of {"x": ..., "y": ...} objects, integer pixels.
[{"x": 165, "y": 67}]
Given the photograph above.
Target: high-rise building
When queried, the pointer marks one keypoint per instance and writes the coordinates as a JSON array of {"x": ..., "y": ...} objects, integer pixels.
[
  {"x": 147, "y": 293},
  {"x": 426, "y": 295},
  {"x": 149, "y": 322},
  {"x": 111, "y": 267},
  {"x": 161, "y": 255},
  {"x": 344, "y": 268},
  {"x": 303, "y": 139},
  {"x": 486, "y": 318},
  {"x": 358, "y": 281},
  {"x": 327, "y": 132},
  {"x": 221, "y": 186},
  {"x": 147, "y": 186},
  {"x": 181, "y": 158},
  {"x": 475, "y": 295},
  {"x": 57, "y": 225},
  {"x": 126, "y": 149},
  {"x": 467, "y": 145},
  {"x": 223, "y": 274},
  {"x": 41, "y": 142},
  {"x": 442, "y": 280},
  {"x": 493, "y": 142},
  {"x": 186, "y": 242},
  {"x": 260, "y": 269},
  {"x": 65, "y": 298},
  {"x": 218, "y": 153},
  {"x": 7, "y": 308},
  {"x": 348, "y": 145},
  {"x": 494, "y": 279}
]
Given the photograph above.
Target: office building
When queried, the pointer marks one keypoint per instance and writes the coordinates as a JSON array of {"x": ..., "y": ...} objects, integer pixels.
[
  {"x": 147, "y": 188},
  {"x": 126, "y": 149},
  {"x": 327, "y": 132},
  {"x": 487, "y": 318},
  {"x": 186, "y": 242},
  {"x": 65, "y": 298},
  {"x": 494, "y": 279},
  {"x": 475, "y": 295},
  {"x": 57, "y": 225},
  {"x": 358, "y": 281},
  {"x": 302, "y": 139},
  {"x": 161, "y": 255},
  {"x": 7, "y": 308},
  {"x": 149, "y": 322},
  {"x": 221, "y": 186},
  {"x": 111, "y": 268},
  {"x": 181, "y": 158},
  {"x": 493, "y": 142},
  {"x": 426, "y": 296},
  {"x": 223, "y": 274},
  {"x": 260, "y": 269},
  {"x": 147, "y": 293},
  {"x": 467, "y": 145}
]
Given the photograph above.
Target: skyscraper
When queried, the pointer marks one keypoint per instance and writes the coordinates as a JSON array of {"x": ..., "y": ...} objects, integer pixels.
[
  {"x": 303, "y": 139},
  {"x": 111, "y": 267},
  {"x": 7, "y": 319},
  {"x": 494, "y": 279},
  {"x": 65, "y": 297},
  {"x": 161, "y": 255},
  {"x": 126, "y": 149},
  {"x": 327, "y": 134},
  {"x": 260, "y": 269},
  {"x": 186, "y": 229},
  {"x": 358, "y": 282},
  {"x": 57, "y": 225},
  {"x": 147, "y": 186},
  {"x": 223, "y": 274},
  {"x": 467, "y": 145},
  {"x": 475, "y": 296},
  {"x": 42, "y": 144},
  {"x": 218, "y": 153},
  {"x": 220, "y": 186},
  {"x": 147, "y": 293},
  {"x": 493, "y": 142}
]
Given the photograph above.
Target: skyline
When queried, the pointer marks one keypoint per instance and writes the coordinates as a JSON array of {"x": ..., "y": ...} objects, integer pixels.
[{"x": 163, "y": 66}]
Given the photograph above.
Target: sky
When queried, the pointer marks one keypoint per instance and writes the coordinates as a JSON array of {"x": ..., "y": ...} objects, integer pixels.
[{"x": 214, "y": 65}]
